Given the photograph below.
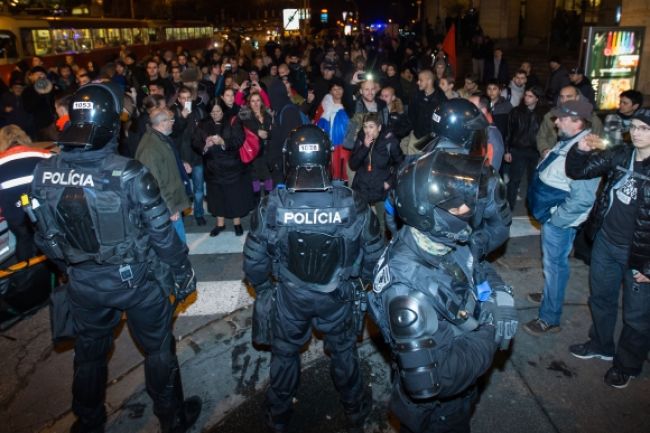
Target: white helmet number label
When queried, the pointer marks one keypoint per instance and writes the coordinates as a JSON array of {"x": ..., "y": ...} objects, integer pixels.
[
  {"x": 308, "y": 147},
  {"x": 82, "y": 105}
]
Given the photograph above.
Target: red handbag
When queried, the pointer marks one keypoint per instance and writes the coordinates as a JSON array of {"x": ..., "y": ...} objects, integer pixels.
[{"x": 251, "y": 147}]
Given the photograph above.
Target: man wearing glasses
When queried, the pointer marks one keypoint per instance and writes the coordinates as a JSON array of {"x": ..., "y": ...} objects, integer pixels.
[
  {"x": 620, "y": 226},
  {"x": 158, "y": 153},
  {"x": 560, "y": 204}
]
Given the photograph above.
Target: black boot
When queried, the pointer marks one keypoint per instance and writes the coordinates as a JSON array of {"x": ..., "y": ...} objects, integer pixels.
[
  {"x": 184, "y": 418},
  {"x": 278, "y": 423},
  {"x": 80, "y": 426},
  {"x": 356, "y": 414},
  {"x": 239, "y": 230}
]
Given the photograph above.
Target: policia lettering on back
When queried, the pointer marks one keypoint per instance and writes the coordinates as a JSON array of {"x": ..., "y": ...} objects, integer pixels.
[{"x": 312, "y": 216}]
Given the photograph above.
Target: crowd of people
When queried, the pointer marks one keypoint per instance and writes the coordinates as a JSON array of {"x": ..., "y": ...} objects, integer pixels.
[{"x": 379, "y": 104}]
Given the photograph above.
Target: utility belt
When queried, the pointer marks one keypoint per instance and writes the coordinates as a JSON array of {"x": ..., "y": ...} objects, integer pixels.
[{"x": 287, "y": 278}]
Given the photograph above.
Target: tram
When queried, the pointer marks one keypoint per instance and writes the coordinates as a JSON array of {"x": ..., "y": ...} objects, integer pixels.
[{"x": 96, "y": 39}]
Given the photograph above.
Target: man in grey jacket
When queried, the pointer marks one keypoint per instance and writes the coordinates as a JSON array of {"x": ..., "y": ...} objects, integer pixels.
[{"x": 561, "y": 204}]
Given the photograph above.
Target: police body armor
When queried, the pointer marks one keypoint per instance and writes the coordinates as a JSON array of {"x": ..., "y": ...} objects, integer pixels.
[
  {"x": 86, "y": 211},
  {"x": 411, "y": 296},
  {"x": 315, "y": 237}
]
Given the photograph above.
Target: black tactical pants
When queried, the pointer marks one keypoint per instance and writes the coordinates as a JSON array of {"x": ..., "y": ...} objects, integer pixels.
[
  {"x": 432, "y": 416},
  {"x": 98, "y": 299},
  {"x": 295, "y": 312}
]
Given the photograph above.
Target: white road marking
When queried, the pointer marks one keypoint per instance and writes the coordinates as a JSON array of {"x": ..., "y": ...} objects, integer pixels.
[
  {"x": 224, "y": 243},
  {"x": 522, "y": 226},
  {"x": 218, "y": 297}
]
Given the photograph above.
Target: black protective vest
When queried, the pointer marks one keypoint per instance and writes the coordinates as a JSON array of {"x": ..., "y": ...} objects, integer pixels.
[
  {"x": 87, "y": 211},
  {"x": 315, "y": 237}
]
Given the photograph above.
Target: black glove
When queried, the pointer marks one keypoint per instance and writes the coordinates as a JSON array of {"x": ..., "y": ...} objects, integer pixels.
[
  {"x": 184, "y": 280},
  {"x": 499, "y": 311}
]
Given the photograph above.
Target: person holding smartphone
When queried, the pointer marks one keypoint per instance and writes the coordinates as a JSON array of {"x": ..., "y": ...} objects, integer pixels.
[{"x": 187, "y": 116}]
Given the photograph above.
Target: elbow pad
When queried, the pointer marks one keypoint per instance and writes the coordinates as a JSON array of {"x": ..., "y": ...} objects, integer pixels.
[
  {"x": 154, "y": 210},
  {"x": 413, "y": 322}
]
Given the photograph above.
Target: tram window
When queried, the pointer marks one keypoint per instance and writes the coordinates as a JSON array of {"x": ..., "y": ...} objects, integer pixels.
[
  {"x": 138, "y": 35},
  {"x": 153, "y": 35},
  {"x": 99, "y": 38},
  {"x": 83, "y": 39},
  {"x": 8, "y": 45},
  {"x": 36, "y": 42},
  {"x": 114, "y": 38},
  {"x": 127, "y": 36},
  {"x": 63, "y": 40},
  {"x": 182, "y": 33},
  {"x": 191, "y": 33}
]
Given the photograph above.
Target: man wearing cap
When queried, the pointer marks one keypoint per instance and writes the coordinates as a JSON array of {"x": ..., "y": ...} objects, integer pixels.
[
  {"x": 39, "y": 102},
  {"x": 322, "y": 85},
  {"x": 547, "y": 135},
  {"x": 620, "y": 226},
  {"x": 583, "y": 84},
  {"x": 12, "y": 107},
  {"x": 560, "y": 204}
]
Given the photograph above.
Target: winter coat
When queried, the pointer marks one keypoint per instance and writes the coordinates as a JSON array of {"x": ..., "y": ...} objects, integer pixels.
[
  {"x": 612, "y": 163},
  {"x": 156, "y": 152},
  {"x": 375, "y": 165},
  {"x": 222, "y": 165}
]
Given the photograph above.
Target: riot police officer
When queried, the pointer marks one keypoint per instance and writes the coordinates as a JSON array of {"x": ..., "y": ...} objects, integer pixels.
[
  {"x": 308, "y": 242},
  {"x": 101, "y": 217},
  {"x": 441, "y": 308}
]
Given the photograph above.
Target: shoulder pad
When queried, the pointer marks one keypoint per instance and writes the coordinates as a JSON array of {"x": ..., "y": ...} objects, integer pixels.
[
  {"x": 133, "y": 168},
  {"x": 412, "y": 316},
  {"x": 147, "y": 189}
]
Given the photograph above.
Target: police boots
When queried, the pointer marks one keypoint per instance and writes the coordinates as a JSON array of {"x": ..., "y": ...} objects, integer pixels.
[
  {"x": 184, "y": 418},
  {"x": 356, "y": 414}
]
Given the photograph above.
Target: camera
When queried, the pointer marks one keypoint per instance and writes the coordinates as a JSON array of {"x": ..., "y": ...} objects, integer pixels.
[{"x": 228, "y": 67}]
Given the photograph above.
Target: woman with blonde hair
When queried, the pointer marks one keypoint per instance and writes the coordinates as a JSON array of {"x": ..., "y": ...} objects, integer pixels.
[{"x": 17, "y": 162}]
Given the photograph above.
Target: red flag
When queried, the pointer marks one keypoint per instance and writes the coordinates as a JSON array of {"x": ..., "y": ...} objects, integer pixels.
[{"x": 449, "y": 45}]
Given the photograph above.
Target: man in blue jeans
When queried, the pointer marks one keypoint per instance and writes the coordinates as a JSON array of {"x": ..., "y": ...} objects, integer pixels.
[
  {"x": 621, "y": 251},
  {"x": 561, "y": 204}
]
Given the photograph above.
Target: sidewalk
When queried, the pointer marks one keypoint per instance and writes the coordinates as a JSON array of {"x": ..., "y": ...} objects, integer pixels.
[{"x": 536, "y": 387}]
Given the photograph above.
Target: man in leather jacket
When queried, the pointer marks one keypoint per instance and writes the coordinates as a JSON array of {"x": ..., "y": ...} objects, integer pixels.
[
  {"x": 619, "y": 224},
  {"x": 100, "y": 216},
  {"x": 442, "y": 312},
  {"x": 521, "y": 142},
  {"x": 309, "y": 241}
]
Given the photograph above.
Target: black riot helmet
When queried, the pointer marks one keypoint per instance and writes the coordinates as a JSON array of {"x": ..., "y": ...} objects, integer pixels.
[
  {"x": 430, "y": 192},
  {"x": 307, "y": 159},
  {"x": 94, "y": 117},
  {"x": 458, "y": 123}
]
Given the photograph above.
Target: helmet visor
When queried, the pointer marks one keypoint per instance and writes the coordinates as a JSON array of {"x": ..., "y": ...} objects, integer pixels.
[
  {"x": 84, "y": 135},
  {"x": 311, "y": 178},
  {"x": 454, "y": 180}
]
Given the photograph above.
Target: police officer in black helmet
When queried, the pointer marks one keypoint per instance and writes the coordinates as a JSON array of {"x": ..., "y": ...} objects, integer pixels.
[
  {"x": 309, "y": 241},
  {"x": 101, "y": 217},
  {"x": 439, "y": 305}
]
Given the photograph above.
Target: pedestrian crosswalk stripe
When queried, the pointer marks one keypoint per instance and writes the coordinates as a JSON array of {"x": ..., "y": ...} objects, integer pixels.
[
  {"x": 217, "y": 297},
  {"x": 225, "y": 243}
]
